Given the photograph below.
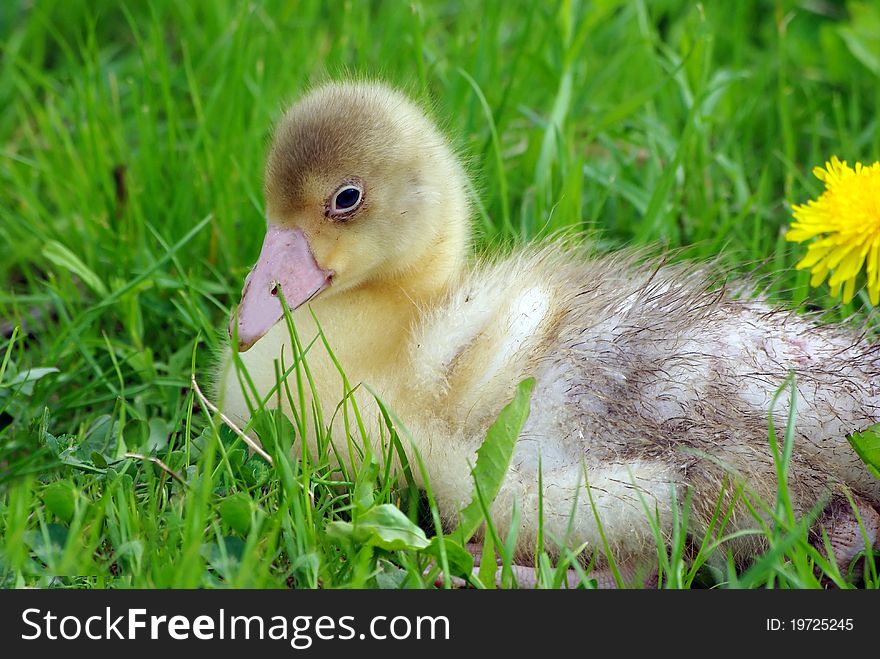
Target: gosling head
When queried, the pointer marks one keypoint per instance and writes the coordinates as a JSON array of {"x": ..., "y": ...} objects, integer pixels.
[{"x": 360, "y": 187}]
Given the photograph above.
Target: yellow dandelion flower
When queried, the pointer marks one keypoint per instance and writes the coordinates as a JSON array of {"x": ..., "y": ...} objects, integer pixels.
[{"x": 845, "y": 221}]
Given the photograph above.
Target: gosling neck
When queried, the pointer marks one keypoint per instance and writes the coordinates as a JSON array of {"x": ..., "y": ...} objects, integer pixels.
[{"x": 368, "y": 326}]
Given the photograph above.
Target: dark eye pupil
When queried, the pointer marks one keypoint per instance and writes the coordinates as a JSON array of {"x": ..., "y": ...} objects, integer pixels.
[{"x": 347, "y": 198}]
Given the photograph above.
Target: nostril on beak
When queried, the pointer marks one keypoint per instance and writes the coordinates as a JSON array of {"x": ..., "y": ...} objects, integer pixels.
[{"x": 274, "y": 290}]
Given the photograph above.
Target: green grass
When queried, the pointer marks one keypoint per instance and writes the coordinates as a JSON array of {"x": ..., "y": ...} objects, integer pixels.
[{"x": 133, "y": 141}]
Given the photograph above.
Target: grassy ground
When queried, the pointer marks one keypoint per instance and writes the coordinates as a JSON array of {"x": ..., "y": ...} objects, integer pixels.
[{"x": 133, "y": 137}]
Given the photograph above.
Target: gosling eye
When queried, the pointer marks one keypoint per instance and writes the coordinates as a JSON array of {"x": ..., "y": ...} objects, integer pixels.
[{"x": 345, "y": 201}]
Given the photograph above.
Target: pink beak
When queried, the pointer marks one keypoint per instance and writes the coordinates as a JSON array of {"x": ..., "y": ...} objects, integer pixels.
[{"x": 285, "y": 262}]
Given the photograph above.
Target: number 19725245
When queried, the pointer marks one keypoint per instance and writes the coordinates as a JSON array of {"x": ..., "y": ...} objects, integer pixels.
[{"x": 810, "y": 624}]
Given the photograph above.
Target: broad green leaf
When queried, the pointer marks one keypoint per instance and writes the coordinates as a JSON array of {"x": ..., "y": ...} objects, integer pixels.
[
  {"x": 340, "y": 530},
  {"x": 31, "y": 375},
  {"x": 389, "y": 576},
  {"x": 159, "y": 432},
  {"x": 867, "y": 445},
  {"x": 48, "y": 544},
  {"x": 256, "y": 470},
  {"x": 99, "y": 460},
  {"x": 146, "y": 437},
  {"x": 273, "y": 427},
  {"x": 60, "y": 498},
  {"x": 493, "y": 459},
  {"x": 136, "y": 433},
  {"x": 383, "y": 526},
  {"x": 63, "y": 257},
  {"x": 236, "y": 511},
  {"x": 101, "y": 439},
  {"x": 24, "y": 381},
  {"x": 460, "y": 561},
  {"x": 389, "y": 528},
  {"x": 225, "y": 555},
  {"x": 237, "y": 457}
]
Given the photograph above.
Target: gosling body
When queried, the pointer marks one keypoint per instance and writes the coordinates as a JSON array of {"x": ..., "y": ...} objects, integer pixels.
[{"x": 650, "y": 384}]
